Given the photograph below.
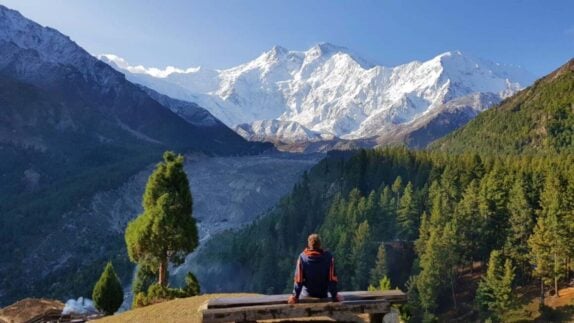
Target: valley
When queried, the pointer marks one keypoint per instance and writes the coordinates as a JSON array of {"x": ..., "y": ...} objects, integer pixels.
[
  {"x": 228, "y": 193},
  {"x": 436, "y": 172}
]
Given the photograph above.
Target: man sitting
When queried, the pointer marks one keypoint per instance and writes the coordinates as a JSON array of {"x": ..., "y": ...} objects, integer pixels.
[{"x": 315, "y": 273}]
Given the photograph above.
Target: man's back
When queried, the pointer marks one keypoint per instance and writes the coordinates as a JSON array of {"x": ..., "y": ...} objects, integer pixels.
[{"x": 315, "y": 273}]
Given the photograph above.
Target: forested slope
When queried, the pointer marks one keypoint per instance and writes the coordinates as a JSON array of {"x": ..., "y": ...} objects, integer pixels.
[
  {"x": 539, "y": 119},
  {"x": 434, "y": 213}
]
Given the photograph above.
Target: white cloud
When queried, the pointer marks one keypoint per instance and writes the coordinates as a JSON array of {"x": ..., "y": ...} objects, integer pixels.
[{"x": 140, "y": 69}]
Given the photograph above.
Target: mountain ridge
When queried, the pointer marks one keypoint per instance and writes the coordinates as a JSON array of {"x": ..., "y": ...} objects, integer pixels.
[
  {"x": 71, "y": 126},
  {"x": 330, "y": 90}
]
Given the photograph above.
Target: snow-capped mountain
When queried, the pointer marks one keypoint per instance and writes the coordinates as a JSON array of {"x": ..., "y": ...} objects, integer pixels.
[{"x": 330, "y": 90}]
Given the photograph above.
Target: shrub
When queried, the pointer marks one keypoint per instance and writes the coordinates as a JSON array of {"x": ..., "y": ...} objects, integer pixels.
[
  {"x": 108, "y": 294},
  {"x": 191, "y": 287},
  {"x": 157, "y": 294}
]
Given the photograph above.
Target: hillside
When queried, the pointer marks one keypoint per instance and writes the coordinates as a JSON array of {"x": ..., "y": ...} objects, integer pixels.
[
  {"x": 70, "y": 127},
  {"x": 539, "y": 119},
  {"x": 426, "y": 210},
  {"x": 182, "y": 310}
]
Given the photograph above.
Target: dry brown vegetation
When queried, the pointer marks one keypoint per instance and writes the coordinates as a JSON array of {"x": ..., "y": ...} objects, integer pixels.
[
  {"x": 30, "y": 309},
  {"x": 178, "y": 310}
]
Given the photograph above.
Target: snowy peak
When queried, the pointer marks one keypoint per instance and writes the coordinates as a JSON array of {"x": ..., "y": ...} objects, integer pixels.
[
  {"x": 329, "y": 90},
  {"x": 275, "y": 54},
  {"x": 327, "y": 48},
  {"x": 471, "y": 74},
  {"x": 325, "y": 51},
  {"x": 44, "y": 57},
  {"x": 27, "y": 46},
  {"x": 265, "y": 62},
  {"x": 48, "y": 43}
]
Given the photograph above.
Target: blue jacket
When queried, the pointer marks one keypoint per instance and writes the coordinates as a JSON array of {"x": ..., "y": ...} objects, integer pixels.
[{"x": 315, "y": 274}]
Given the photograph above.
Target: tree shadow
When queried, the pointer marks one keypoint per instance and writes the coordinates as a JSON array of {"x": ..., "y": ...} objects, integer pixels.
[{"x": 559, "y": 314}]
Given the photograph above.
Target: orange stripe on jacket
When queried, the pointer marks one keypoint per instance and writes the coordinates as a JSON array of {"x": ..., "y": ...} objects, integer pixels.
[
  {"x": 299, "y": 273},
  {"x": 332, "y": 275}
]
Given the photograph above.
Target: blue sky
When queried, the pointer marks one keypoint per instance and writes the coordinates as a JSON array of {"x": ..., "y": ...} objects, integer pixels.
[{"x": 536, "y": 34}]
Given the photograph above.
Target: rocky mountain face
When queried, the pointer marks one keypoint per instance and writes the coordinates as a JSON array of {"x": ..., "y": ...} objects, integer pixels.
[
  {"x": 71, "y": 126},
  {"x": 440, "y": 122},
  {"x": 228, "y": 192},
  {"x": 328, "y": 91},
  {"x": 42, "y": 60}
]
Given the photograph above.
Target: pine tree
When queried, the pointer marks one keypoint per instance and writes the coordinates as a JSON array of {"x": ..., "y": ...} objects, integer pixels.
[
  {"x": 371, "y": 214},
  {"x": 380, "y": 270},
  {"x": 521, "y": 227},
  {"x": 439, "y": 213},
  {"x": 493, "y": 199},
  {"x": 449, "y": 183},
  {"x": 451, "y": 256},
  {"x": 494, "y": 294},
  {"x": 507, "y": 299},
  {"x": 408, "y": 214},
  {"x": 541, "y": 252},
  {"x": 469, "y": 224},
  {"x": 388, "y": 214},
  {"x": 431, "y": 278},
  {"x": 552, "y": 213},
  {"x": 165, "y": 231},
  {"x": 438, "y": 267},
  {"x": 191, "y": 287},
  {"x": 108, "y": 294},
  {"x": 485, "y": 294},
  {"x": 360, "y": 254},
  {"x": 346, "y": 266},
  {"x": 397, "y": 188},
  {"x": 424, "y": 234},
  {"x": 382, "y": 285},
  {"x": 473, "y": 169}
]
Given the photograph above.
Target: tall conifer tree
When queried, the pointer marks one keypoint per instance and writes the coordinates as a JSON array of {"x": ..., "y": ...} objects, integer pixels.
[
  {"x": 360, "y": 252},
  {"x": 165, "y": 231},
  {"x": 408, "y": 214},
  {"x": 521, "y": 227},
  {"x": 494, "y": 295},
  {"x": 380, "y": 270}
]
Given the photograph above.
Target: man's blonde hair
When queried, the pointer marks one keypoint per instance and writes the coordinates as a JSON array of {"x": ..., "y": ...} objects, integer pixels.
[{"x": 314, "y": 241}]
